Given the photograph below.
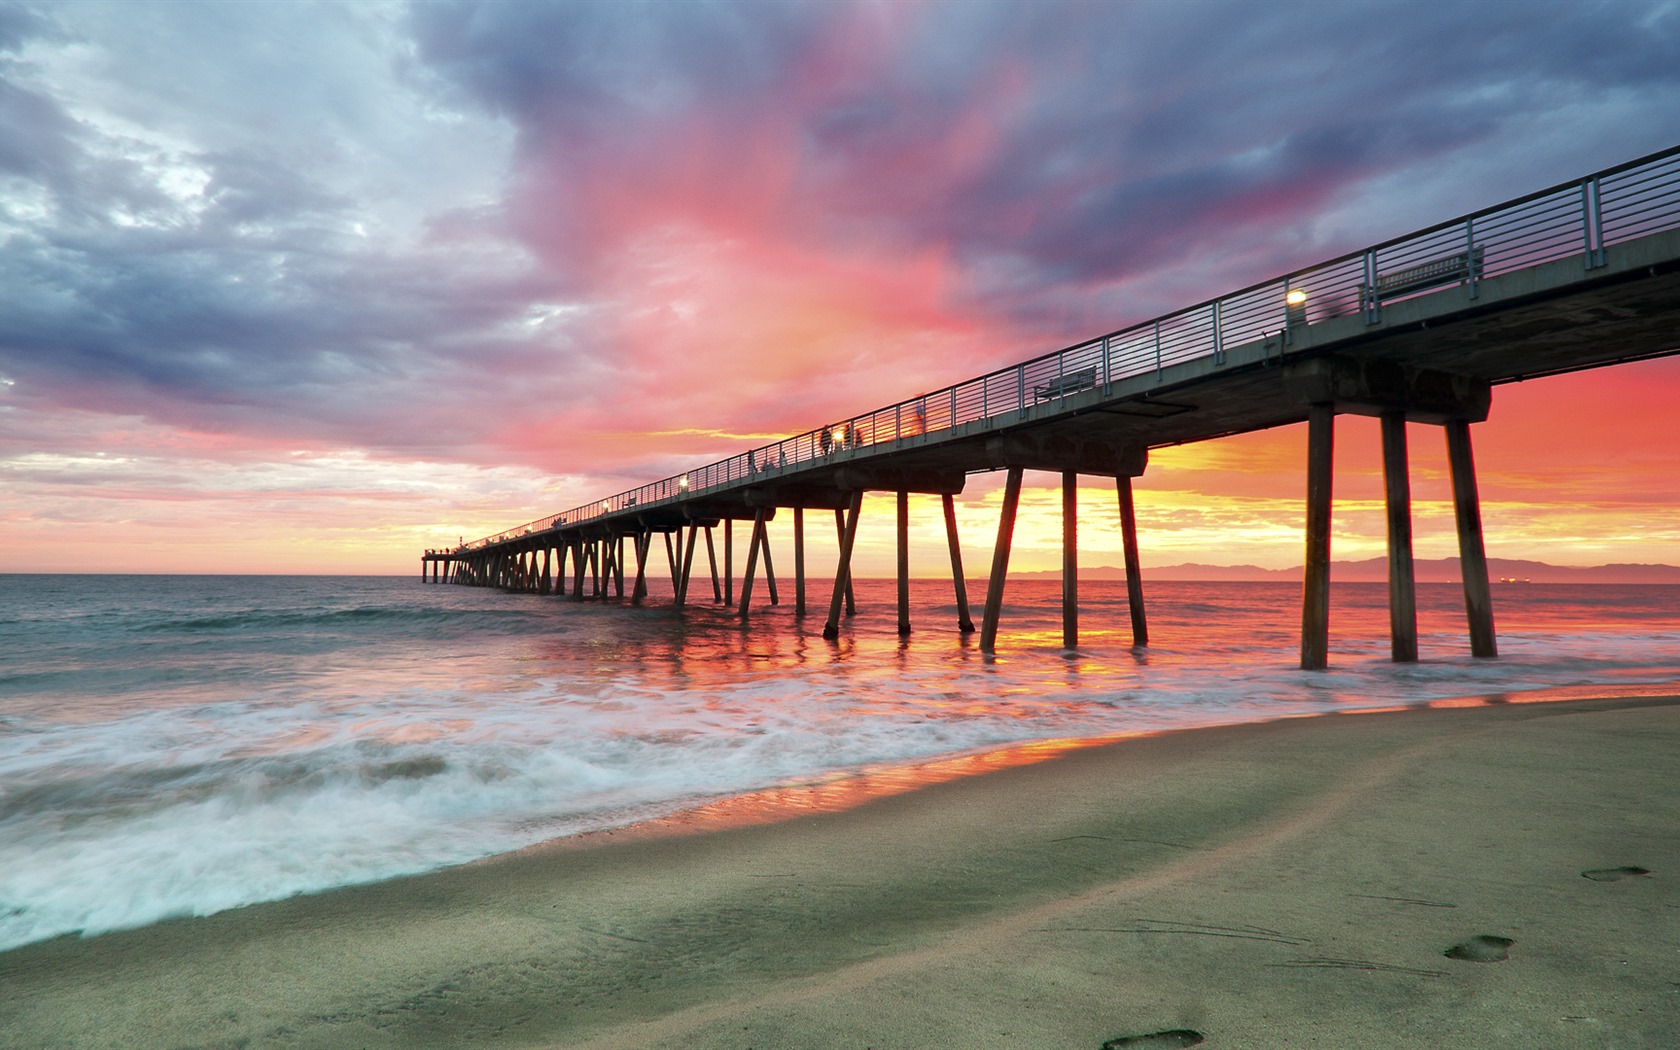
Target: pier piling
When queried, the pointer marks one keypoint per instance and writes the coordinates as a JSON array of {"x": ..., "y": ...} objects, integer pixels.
[
  {"x": 687, "y": 573},
  {"x": 1134, "y": 571},
  {"x": 840, "y": 536},
  {"x": 1070, "y": 560},
  {"x": 799, "y": 561},
  {"x": 1315, "y": 585},
  {"x": 755, "y": 543},
  {"x": 958, "y": 583},
  {"x": 1472, "y": 555},
  {"x": 1402, "y": 589},
  {"x": 711, "y": 561},
  {"x": 903, "y": 537},
  {"x": 843, "y": 566},
  {"x": 1000, "y": 561}
]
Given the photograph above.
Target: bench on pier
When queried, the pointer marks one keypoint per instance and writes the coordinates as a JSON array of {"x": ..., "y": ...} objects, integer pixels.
[
  {"x": 1452, "y": 269},
  {"x": 1064, "y": 385}
]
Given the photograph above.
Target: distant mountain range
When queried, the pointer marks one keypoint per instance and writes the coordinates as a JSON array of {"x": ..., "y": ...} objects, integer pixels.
[{"x": 1375, "y": 570}]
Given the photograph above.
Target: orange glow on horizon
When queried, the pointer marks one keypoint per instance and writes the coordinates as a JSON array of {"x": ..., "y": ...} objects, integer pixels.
[{"x": 1597, "y": 491}]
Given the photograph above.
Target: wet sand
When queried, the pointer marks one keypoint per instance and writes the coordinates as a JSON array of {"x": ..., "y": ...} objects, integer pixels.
[{"x": 1488, "y": 876}]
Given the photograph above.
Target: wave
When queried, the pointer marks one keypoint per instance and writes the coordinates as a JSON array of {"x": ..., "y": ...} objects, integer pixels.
[{"x": 376, "y": 617}]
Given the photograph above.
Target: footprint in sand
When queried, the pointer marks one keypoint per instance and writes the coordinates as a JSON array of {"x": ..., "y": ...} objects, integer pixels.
[
  {"x": 1614, "y": 874},
  {"x": 1155, "y": 1040},
  {"x": 1481, "y": 948}
]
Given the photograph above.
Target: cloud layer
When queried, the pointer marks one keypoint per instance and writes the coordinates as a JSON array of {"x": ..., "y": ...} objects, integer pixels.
[{"x": 596, "y": 241}]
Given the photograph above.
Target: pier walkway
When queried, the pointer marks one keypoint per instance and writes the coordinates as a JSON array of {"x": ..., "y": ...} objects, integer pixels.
[{"x": 1418, "y": 329}]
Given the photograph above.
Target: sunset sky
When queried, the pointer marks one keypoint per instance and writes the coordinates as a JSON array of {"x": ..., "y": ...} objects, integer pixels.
[{"x": 300, "y": 287}]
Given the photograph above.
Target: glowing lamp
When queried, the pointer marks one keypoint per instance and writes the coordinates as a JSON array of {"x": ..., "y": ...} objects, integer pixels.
[{"x": 1296, "y": 300}]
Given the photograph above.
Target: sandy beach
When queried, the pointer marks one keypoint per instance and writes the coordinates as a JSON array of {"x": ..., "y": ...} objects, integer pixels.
[{"x": 1486, "y": 876}]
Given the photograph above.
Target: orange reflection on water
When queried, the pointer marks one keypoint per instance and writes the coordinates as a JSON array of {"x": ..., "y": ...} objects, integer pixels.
[
  {"x": 843, "y": 791},
  {"x": 1552, "y": 695},
  {"x": 1558, "y": 694}
]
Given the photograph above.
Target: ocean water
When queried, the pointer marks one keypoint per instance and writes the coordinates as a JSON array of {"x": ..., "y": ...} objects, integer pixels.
[{"x": 177, "y": 745}]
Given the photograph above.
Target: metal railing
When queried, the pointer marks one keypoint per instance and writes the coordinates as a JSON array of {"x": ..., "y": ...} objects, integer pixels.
[{"x": 1579, "y": 218}]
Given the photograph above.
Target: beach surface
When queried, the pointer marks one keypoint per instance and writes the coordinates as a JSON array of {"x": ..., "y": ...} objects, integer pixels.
[{"x": 1498, "y": 875}]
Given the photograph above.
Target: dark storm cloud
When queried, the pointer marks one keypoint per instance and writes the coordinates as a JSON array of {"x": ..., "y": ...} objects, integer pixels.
[
  {"x": 213, "y": 262},
  {"x": 1183, "y": 132},
  {"x": 19, "y": 24},
  {"x": 238, "y": 299},
  {"x": 1163, "y": 129},
  {"x": 34, "y": 135}
]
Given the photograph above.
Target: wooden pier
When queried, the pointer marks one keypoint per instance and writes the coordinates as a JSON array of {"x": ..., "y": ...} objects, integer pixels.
[{"x": 1417, "y": 330}]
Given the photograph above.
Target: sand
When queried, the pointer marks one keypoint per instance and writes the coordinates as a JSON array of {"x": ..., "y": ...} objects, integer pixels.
[{"x": 1488, "y": 876}]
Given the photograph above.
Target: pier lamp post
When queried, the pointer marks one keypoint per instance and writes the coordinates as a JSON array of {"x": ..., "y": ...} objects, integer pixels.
[{"x": 1295, "y": 300}]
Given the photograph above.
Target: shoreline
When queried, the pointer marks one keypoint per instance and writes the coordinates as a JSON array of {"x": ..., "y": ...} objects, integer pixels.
[
  {"x": 1283, "y": 883},
  {"x": 851, "y": 788}
]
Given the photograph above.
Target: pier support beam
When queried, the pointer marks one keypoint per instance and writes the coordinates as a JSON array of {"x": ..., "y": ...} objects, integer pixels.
[
  {"x": 1070, "y": 559},
  {"x": 799, "y": 561},
  {"x": 958, "y": 583},
  {"x": 711, "y": 560},
  {"x": 903, "y": 563},
  {"x": 840, "y": 535},
  {"x": 1402, "y": 581},
  {"x": 672, "y": 546},
  {"x": 1000, "y": 561},
  {"x": 758, "y": 541},
  {"x": 1134, "y": 570},
  {"x": 843, "y": 569},
  {"x": 642, "y": 540},
  {"x": 1472, "y": 555},
  {"x": 687, "y": 572},
  {"x": 1315, "y": 585},
  {"x": 729, "y": 561}
]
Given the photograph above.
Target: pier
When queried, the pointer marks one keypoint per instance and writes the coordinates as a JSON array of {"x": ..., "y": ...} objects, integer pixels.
[{"x": 1419, "y": 329}]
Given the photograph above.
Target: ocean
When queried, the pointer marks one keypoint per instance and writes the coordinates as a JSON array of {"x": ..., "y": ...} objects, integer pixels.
[{"x": 178, "y": 745}]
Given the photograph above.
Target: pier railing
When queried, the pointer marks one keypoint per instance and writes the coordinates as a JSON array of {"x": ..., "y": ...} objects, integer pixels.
[{"x": 1581, "y": 218}]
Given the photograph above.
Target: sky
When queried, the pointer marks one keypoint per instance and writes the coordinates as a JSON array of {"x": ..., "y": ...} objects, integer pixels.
[{"x": 311, "y": 287}]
